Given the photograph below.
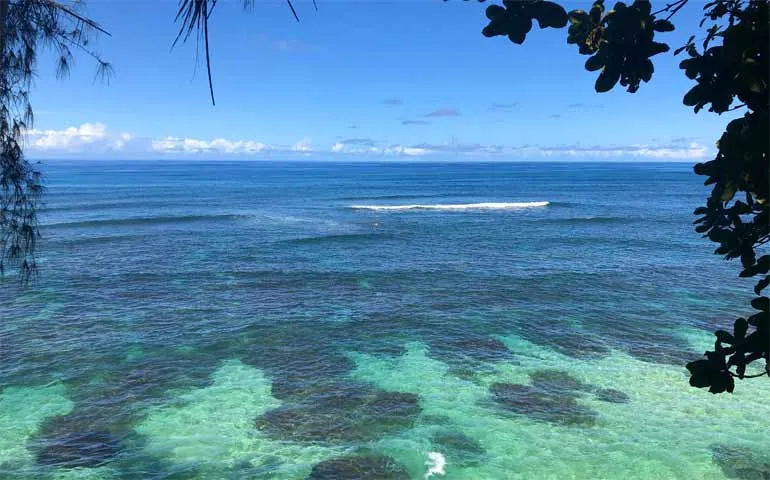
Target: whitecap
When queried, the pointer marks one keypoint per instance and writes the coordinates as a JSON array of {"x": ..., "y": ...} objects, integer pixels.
[{"x": 436, "y": 463}]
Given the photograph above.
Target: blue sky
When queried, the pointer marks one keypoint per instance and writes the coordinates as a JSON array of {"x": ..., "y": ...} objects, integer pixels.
[{"x": 357, "y": 80}]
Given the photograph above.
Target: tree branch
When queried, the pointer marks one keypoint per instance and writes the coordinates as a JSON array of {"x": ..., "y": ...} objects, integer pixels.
[
  {"x": 292, "y": 10},
  {"x": 208, "y": 57},
  {"x": 72, "y": 13},
  {"x": 676, "y": 6}
]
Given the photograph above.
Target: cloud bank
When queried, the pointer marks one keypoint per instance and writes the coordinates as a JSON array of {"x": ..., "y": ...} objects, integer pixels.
[
  {"x": 86, "y": 137},
  {"x": 95, "y": 140}
]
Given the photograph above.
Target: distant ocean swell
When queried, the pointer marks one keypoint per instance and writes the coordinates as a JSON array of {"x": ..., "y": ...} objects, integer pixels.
[
  {"x": 146, "y": 221},
  {"x": 450, "y": 206}
]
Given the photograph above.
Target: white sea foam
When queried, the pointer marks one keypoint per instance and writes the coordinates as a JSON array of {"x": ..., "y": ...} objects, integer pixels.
[
  {"x": 450, "y": 206},
  {"x": 436, "y": 463}
]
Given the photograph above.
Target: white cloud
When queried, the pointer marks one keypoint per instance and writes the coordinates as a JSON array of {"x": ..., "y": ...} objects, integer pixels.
[
  {"x": 693, "y": 151},
  {"x": 407, "y": 151},
  {"x": 393, "y": 150},
  {"x": 302, "y": 146},
  {"x": 121, "y": 141},
  {"x": 218, "y": 145},
  {"x": 91, "y": 136}
]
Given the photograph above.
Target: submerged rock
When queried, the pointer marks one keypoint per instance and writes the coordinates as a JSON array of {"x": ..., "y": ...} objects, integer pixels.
[
  {"x": 556, "y": 381},
  {"x": 346, "y": 413},
  {"x": 560, "y": 407},
  {"x": 667, "y": 353},
  {"x": 582, "y": 346},
  {"x": 611, "y": 395},
  {"x": 573, "y": 343},
  {"x": 740, "y": 463},
  {"x": 459, "y": 448},
  {"x": 469, "y": 349},
  {"x": 359, "y": 467},
  {"x": 78, "y": 449}
]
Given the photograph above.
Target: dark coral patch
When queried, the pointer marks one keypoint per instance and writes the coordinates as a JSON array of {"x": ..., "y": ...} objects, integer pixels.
[
  {"x": 462, "y": 449},
  {"x": 470, "y": 349},
  {"x": 740, "y": 463},
  {"x": 359, "y": 467},
  {"x": 78, "y": 449},
  {"x": 343, "y": 413},
  {"x": 305, "y": 377},
  {"x": 557, "y": 381},
  {"x": 611, "y": 395},
  {"x": 669, "y": 352},
  {"x": 560, "y": 407},
  {"x": 576, "y": 344},
  {"x": 582, "y": 346}
]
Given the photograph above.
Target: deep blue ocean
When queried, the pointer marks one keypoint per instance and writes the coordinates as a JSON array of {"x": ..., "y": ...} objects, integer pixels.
[{"x": 372, "y": 320}]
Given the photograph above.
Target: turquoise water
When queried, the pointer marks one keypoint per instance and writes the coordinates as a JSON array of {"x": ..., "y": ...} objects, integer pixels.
[{"x": 283, "y": 320}]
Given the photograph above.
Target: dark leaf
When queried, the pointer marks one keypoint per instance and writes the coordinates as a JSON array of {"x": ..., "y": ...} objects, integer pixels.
[
  {"x": 595, "y": 62},
  {"x": 724, "y": 337},
  {"x": 607, "y": 79},
  {"x": 740, "y": 327},
  {"x": 596, "y": 11},
  {"x": 658, "y": 47},
  {"x": 761, "y": 285},
  {"x": 699, "y": 380},
  {"x": 663, "y": 26},
  {"x": 741, "y": 370},
  {"x": 494, "y": 11},
  {"x": 643, "y": 6},
  {"x": 578, "y": 16},
  {"x": 761, "y": 303},
  {"x": 549, "y": 14}
]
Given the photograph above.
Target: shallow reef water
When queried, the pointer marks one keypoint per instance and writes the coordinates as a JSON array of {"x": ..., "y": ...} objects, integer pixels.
[{"x": 225, "y": 320}]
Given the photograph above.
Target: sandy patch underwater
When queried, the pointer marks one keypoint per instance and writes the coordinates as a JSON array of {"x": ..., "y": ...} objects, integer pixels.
[{"x": 664, "y": 429}]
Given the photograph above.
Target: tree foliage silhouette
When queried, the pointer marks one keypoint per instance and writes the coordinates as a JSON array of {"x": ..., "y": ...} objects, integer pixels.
[
  {"x": 730, "y": 68},
  {"x": 26, "y": 28},
  {"x": 194, "y": 16}
]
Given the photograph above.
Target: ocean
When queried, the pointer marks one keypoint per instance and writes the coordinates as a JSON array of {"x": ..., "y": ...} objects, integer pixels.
[{"x": 372, "y": 320}]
